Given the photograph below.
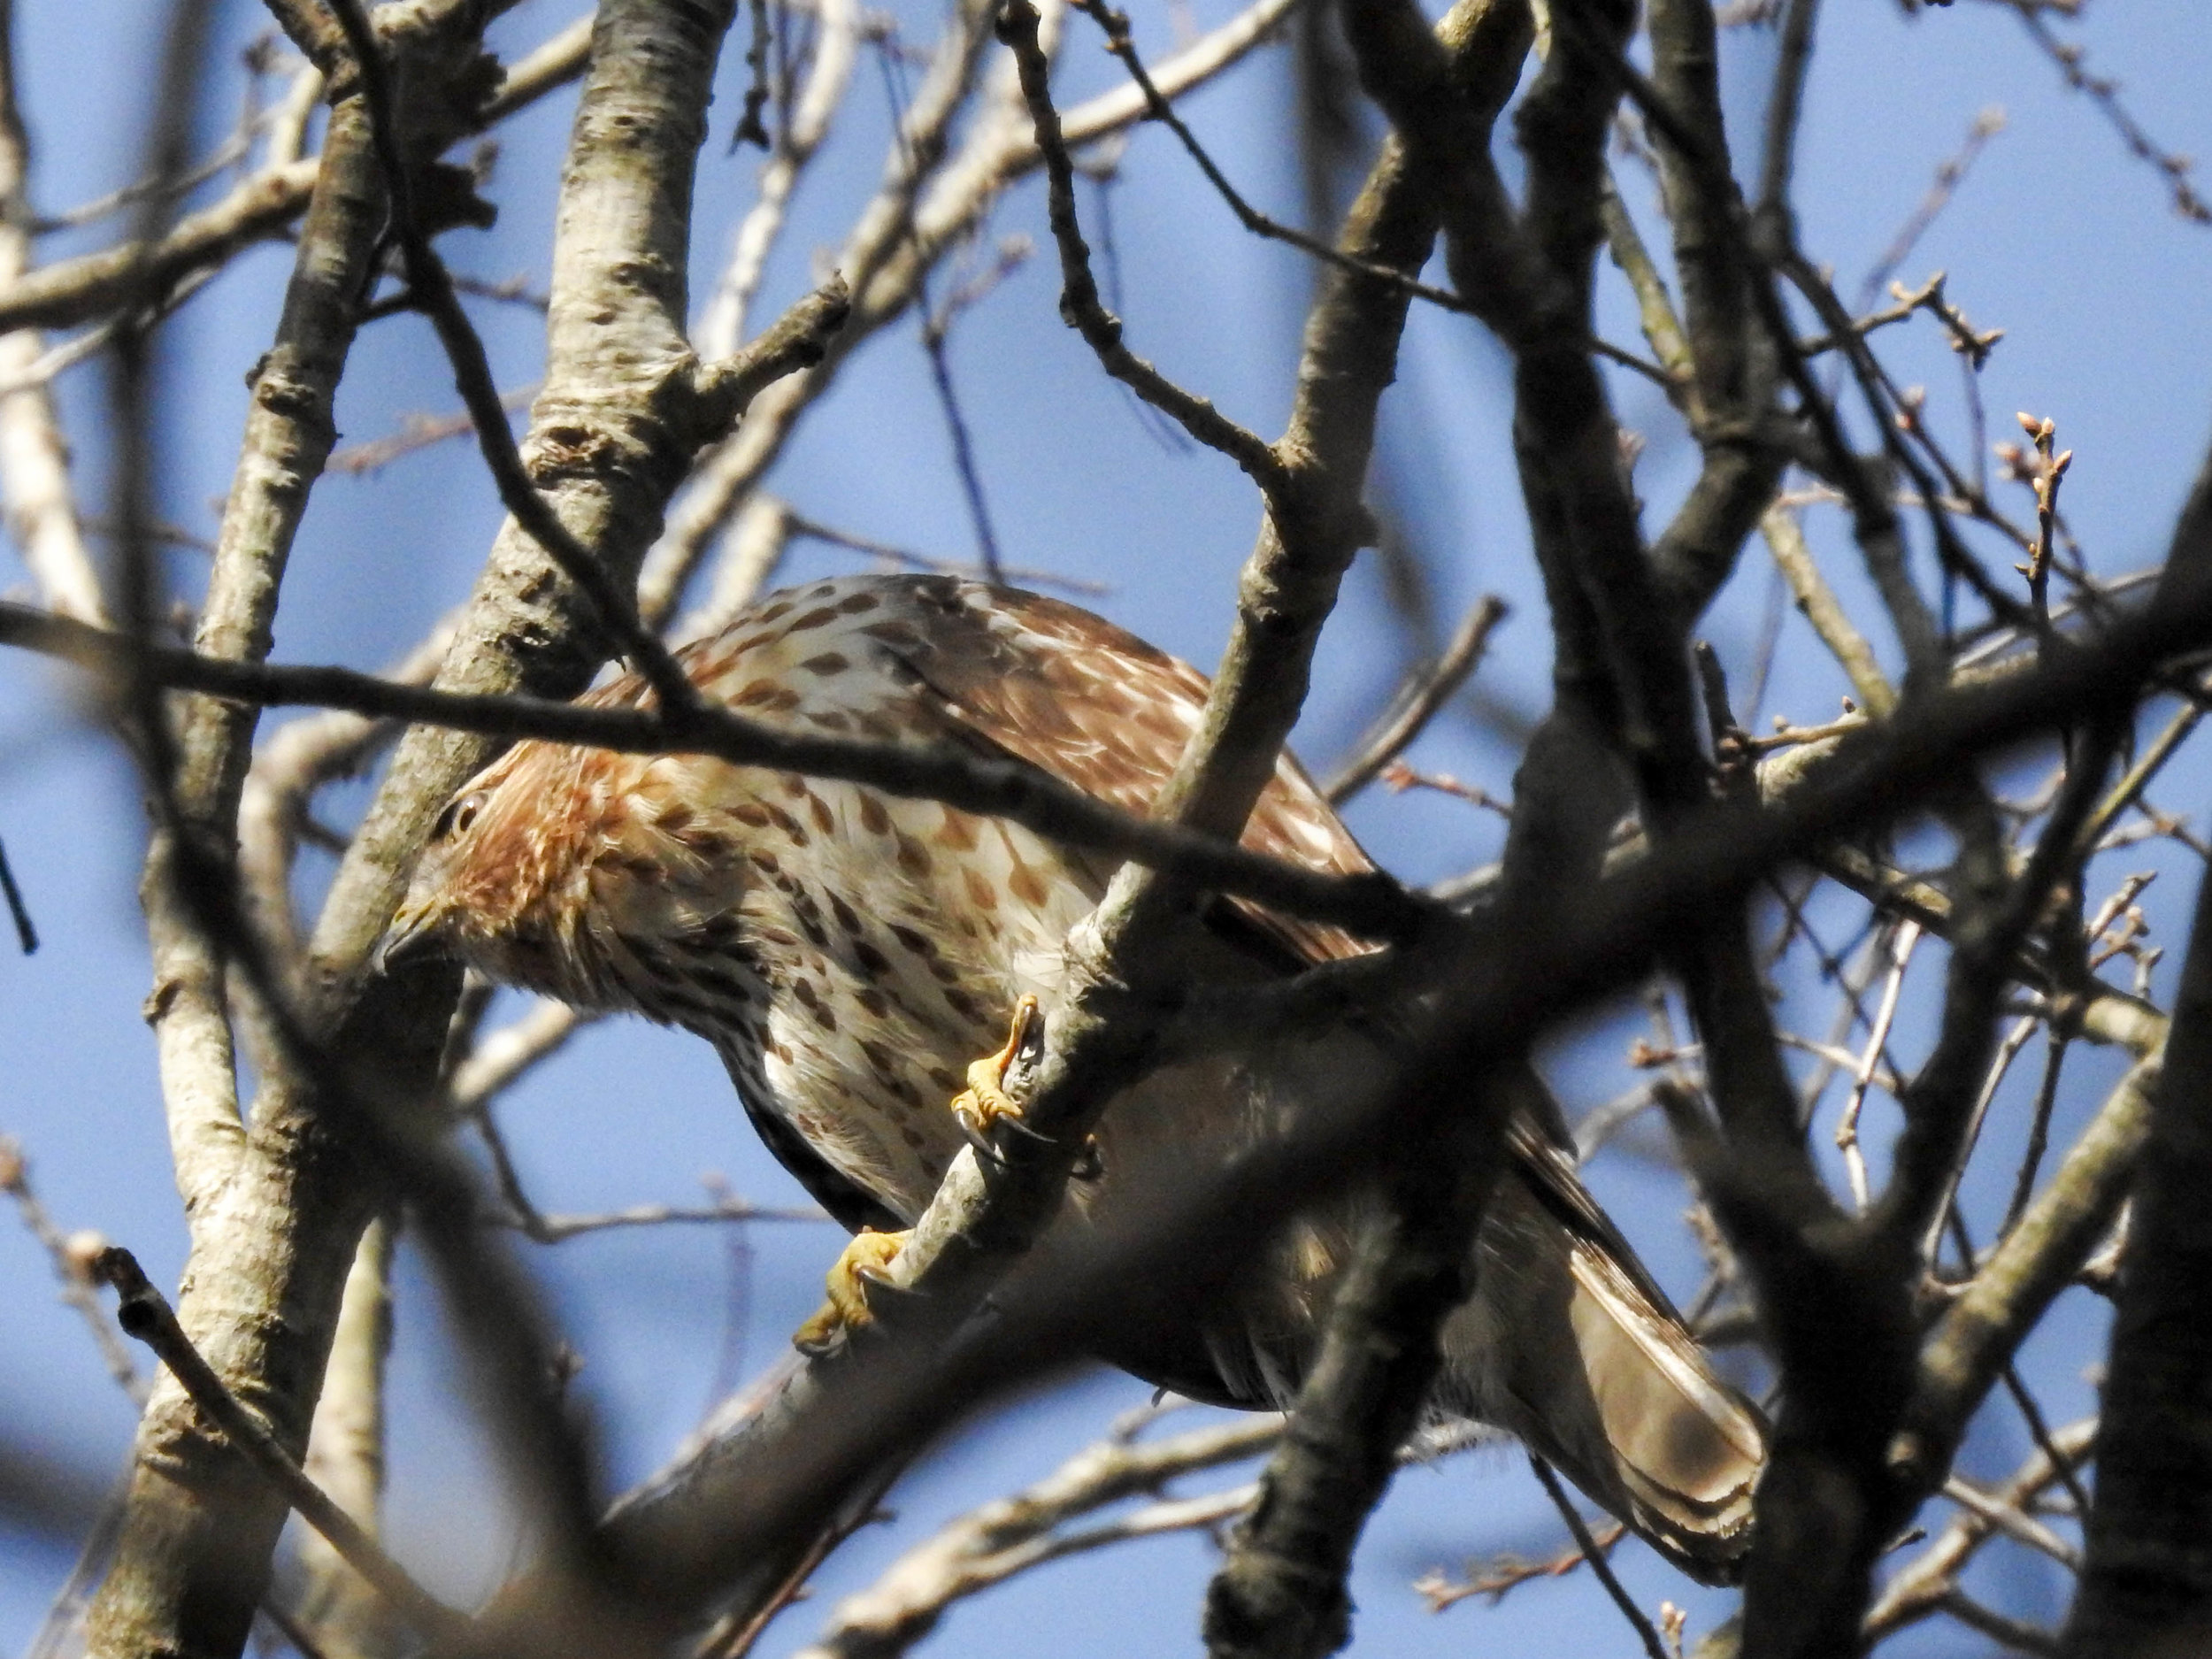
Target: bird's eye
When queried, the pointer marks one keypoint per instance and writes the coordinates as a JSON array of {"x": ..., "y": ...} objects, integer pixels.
[{"x": 457, "y": 815}]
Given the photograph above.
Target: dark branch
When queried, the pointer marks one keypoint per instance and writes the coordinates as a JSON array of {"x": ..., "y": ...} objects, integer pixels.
[
  {"x": 1011, "y": 789},
  {"x": 145, "y": 1313}
]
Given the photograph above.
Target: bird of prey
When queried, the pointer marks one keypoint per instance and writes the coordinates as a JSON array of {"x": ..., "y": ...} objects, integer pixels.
[{"x": 849, "y": 953}]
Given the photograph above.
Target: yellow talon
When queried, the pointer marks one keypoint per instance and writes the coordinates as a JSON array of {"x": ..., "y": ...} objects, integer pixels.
[
  {"x": 864, "y": 1258},
  {"x": 985, "y": 1101}
]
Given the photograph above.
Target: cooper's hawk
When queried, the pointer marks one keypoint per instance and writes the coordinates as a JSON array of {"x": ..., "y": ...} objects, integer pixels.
[{"x": 849, "y": 953}]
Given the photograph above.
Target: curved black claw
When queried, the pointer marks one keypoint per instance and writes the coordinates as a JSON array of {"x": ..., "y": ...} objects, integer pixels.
[
  {"x": 1013, "y": 1121},
  {"x": 887, "y": 1302},
  {"x": 980, "y": 1141}
]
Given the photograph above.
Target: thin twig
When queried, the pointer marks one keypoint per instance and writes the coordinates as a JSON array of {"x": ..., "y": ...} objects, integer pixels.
[
  {"x": 526, "y": 1218},
  {"x": 2010, "y": 1632},
  {"x": 1948, "y": 175},
  {"x": 2039, "y": 1132},
  {"x": 1847, "y": 1124},
  {"x": 1594, "y": 1553},
  {"x": 2000, "y": 1064},
  {"x": 1494, "y": 1578},
  {"x": 2039, "y": 1431},
  {"x": 1000, "y": 150},
  {"x": 1114, "y": 23},
  {"x": 1917, "y": 1589},
  {"x": 2013, "y": 1523},
  {"x": 1079, "y": 303},
  {"x": 71, "y": 1264},
  {"x": 1371, "y": 903},
  {"x": 2105, "y": 93},
  {"x": 749, "y": 128},
  {"x": 1418, "y": 702},
  {"x": 79, "y": 290},
  {"x": 813, "y": 530},
  {"x": 496, "y": 1058},
  {"x": 555, "y": 1228},
  {"x": 18, "y": 912},
  {"x": 2129, "y": 790},
  {"x": 804, "y": 122},
  {"x": 1118, "y": 42},
  {"x": 145, "y": 1313},
  {"x": 1021, "y": 1532},
  {"x": 417, "y": 432},
  {"x": 1785, "y": 539},
  {"x": 936, "y": 331},
  {"x": 1398, "y": 777}
]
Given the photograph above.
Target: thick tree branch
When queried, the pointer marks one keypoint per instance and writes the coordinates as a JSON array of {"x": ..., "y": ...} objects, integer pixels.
[
  {"x": 198, "y": 1525},
  {"x": 1280, "y": 1593},
  {"x": 2147, "y": 1587},
  {"x": 603, "y": 445},
  {"x": 146, "y": 1314}
]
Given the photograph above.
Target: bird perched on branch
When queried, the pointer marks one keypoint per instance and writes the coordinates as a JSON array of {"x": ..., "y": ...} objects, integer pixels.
[{"x": 850, "y": 953}]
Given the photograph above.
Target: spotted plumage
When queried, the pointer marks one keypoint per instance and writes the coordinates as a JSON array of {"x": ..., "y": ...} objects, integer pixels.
[{"x": 849, "y": 952}]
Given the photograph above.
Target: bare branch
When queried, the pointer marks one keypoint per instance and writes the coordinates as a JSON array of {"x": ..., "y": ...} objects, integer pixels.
[
  {"x": 73, "y": 1267},
  {"x": 346, "y": 1451},
  {"x": 993, "y": 788},
  {"x": 1917, "y": 1589},
  {"x": 1970, "y": 1344},
  {"x": 1785, "y": 539},
  {"x": 1418, "y": 703},
  {"x": 41, "y": 508},
  {"x": 497, "y": 1058},
  {"x": 1020, "y": 1532},
  {"x": 79, "y": 290},
  {"x": 2146, "y": 1587},
  {"x": 145, "y": 1313},
  {"x": 1080, "y": 306},
  {"x": 723, "y": 324},
  {"x": 2172, "y": 168},
  {"x": 1595, "y": 1556},
  {"x": 719, "y": 392},
  {"x": 1000, "y": 150}
]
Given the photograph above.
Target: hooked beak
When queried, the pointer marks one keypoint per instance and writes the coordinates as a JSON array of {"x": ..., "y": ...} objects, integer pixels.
[{"x": 413, "y": 938}]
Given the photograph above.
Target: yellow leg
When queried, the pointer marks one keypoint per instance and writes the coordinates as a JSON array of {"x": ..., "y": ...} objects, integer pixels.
[
  {"x": 985, "y": 1101},
  {"x": 865, "y": 1257}
]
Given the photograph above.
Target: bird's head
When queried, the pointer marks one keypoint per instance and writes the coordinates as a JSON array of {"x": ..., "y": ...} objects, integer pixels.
[
  {"x": 486, "y": 888},
  {"x": 551, "y": 867}
]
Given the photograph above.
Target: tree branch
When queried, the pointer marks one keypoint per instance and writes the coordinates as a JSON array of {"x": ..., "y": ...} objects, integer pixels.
[
  {"x": 2148, "y": 1587},
  {"x": 190, "y": 1562},
  {"x": 1370, "y": 904},
  {"x": 146, "y": 1314}
]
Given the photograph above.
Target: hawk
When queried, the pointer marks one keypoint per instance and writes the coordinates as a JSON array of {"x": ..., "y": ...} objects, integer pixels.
[{"x": 850, "y": 953}]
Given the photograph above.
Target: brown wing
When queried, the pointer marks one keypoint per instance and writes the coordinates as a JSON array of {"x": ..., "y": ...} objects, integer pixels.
[
  {"x": 1070, "y": 692},
  {"x": 1092, "y": 705}
]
